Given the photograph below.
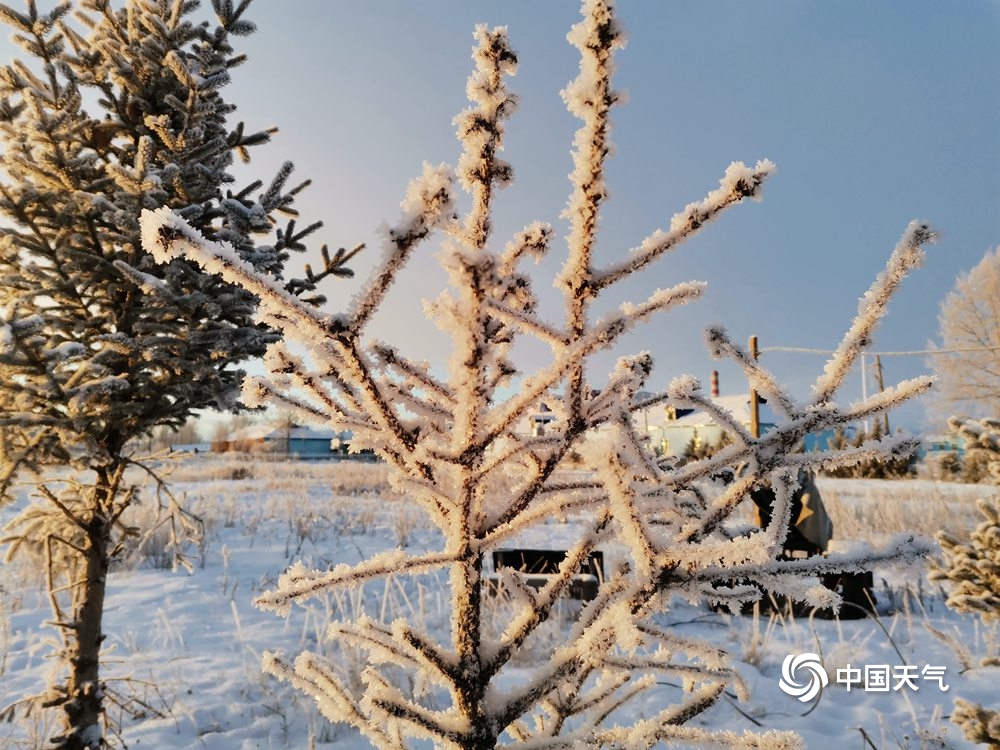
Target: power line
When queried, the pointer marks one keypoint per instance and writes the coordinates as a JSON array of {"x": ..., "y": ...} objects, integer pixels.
[{"x": 919, "y": 352}]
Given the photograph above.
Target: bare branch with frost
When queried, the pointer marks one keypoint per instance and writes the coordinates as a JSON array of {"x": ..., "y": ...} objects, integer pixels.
[
  {"x": 738, "y": 183},
  {"x": 907, "y": 255}
]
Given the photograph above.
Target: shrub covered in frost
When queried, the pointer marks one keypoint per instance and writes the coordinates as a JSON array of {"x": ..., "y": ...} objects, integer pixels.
[
  {"x": 972, "y": 568},
  {"x": 453, "y": 446}
]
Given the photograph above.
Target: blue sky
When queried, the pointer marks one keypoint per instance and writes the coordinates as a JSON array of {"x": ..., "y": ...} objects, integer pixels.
[{"x": 875, "y": 113}]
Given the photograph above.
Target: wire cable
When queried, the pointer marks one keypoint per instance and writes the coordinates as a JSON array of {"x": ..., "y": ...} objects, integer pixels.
[{"x": 915, "y": 353}]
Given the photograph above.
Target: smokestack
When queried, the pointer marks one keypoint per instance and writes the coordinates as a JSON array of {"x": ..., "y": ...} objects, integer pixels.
[{"x": 715, "y": 383}]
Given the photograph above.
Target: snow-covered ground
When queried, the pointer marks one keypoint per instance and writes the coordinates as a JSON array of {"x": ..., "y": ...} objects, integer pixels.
[{"x": 183, "y": 650}]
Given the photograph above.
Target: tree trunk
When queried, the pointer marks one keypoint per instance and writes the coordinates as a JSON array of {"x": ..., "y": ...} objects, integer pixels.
[
  {"x": 467, "y": 596},
  {"x": 84, "y": 700}
]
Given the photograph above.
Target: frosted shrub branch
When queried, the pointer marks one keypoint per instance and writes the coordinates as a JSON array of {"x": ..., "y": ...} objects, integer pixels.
[
  {"x": 908, "y": 255},
  {"x": 459, "y": 448},
  {"x": 739, "y": 182},
  {"x": 427, "y": 203}
]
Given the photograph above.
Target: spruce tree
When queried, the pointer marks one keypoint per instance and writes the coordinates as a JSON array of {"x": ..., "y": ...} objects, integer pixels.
[
  {"x": 971, "y": 568},
  {"x": 111, "y": 110},
  {"x": 453, "y": 445}
]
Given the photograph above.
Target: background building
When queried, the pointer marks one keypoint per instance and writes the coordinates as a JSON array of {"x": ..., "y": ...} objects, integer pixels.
[{"x": 289, "y": 440}]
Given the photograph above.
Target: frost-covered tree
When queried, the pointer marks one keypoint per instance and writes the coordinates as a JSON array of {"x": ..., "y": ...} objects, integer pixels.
[
  {"x": 972, "y": 568},
  {"x": 454, "y": 447},
  {"x": 968, "y": 366},
  {"x": 112, "y": 109}
]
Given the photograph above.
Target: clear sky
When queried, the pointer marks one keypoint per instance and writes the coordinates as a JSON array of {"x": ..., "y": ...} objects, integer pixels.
[{"x": 875, "y": 113}]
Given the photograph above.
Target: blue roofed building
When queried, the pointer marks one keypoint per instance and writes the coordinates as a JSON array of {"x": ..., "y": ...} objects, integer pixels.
[{"x": 289, "y": 440}]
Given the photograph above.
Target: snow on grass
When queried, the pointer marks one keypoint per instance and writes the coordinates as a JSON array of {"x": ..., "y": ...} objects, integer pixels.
[{"x": 183, "y": 650}]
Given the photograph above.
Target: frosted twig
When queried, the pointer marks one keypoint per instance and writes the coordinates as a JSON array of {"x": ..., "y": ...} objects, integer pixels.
[
  {"x": 528, "y": 324},
  {"x": 532, "y": 240},
  {"x": 907, "y": 255},
  {"x": 738, "y": 183},
  {"x": 720, "y": 345},
  {"x": 480, "y": 128},
  {"x": 298, "y": 584},
  {"x": 428, "y": 203}
]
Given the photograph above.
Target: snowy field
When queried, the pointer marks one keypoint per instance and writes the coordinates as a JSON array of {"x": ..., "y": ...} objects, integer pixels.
[{"x": 183, "y": 650}]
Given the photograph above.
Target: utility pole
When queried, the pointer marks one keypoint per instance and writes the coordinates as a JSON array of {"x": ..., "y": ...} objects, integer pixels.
[
  {"x": 754, "y": 398},
  {"x": 864, "y": 385},
  {"x": 881, "y": 387},
  {"x": 755, "y": 421}
]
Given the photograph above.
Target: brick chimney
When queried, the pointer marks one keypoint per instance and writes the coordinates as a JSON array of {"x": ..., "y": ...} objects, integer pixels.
[{"x": 715, "y": 383}]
